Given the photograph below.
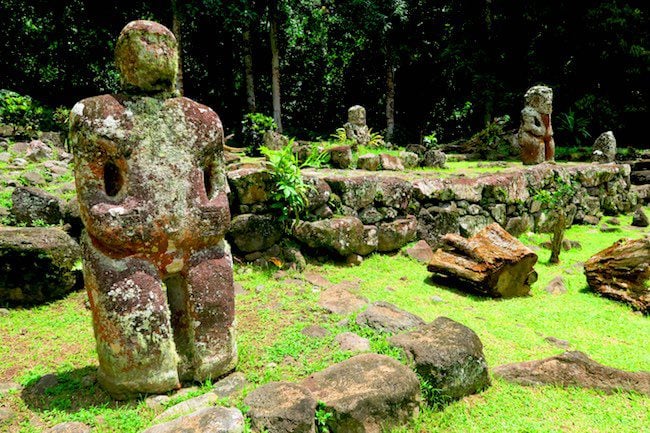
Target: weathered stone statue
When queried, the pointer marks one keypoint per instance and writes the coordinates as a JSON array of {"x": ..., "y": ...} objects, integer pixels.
[
  {"x": 535, "y": 132},
  {"x": 356, "y": 128},
  {"x": 604, "y": 148},
  {"x": 152, "y": 194}
]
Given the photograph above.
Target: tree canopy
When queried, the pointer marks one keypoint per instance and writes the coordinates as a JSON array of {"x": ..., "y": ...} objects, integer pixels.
[{"x": 454, "y": 65}]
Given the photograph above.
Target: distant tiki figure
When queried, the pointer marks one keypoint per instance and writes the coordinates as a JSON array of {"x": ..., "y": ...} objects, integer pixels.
[
  {"x": 535, "y": 132},
  {"x": 356, "y": 128},
  {"x": 152, "y": 194}
]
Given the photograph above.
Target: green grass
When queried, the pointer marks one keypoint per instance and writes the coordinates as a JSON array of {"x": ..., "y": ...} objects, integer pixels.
[{"x": 57, "y": 338}]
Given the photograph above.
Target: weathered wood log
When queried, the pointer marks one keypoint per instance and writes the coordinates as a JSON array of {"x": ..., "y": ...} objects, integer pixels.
[
  {"x": 622, "y": 272},
  {"x": 492, "y": 262}
]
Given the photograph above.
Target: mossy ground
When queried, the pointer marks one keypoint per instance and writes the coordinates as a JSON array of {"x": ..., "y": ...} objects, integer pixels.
[{"x": 57, "y": 338}]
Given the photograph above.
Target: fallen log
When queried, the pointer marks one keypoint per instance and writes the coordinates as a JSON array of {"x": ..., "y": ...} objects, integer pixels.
[
  {"x": 622, "y": 272},
  {"x": 492, "y": 262}
]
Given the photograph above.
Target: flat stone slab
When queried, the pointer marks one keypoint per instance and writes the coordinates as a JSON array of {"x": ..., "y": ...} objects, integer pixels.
[
  {"x": 574, "y": 369},
  {"x": 206, "y": 420},
  {"x": 282, "y": 407},
  {"x": 366, "y": 393},
  {"x": 386, "y": 317},
  {"x": 340, "y": 301}
]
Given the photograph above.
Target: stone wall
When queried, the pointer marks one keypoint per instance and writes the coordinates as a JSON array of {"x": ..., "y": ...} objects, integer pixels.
[{"x": 358, "y": 212}]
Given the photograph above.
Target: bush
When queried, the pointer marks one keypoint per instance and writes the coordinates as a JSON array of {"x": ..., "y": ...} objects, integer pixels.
[
  {"x": 22, "y": 112},
  {"x": 254, "y": 126}
]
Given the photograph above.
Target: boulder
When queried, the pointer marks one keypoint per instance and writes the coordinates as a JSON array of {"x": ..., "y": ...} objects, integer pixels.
[
  {"x": 343, "y": 235},
  {"x": 282, "y": 407},
  {"x": 36, "y": 264},
  {"x": 421, "y": 252},
  {"x": 385, "y": 317},
  {"x": 448, "y": 355},
  {"x": 355, "y": 192},
  {"x": 32, "y": 204},
  {"x": 574, "y": 369},
  {"x": 390, "y": 162},
  {"x": 393, "y": 192},
  {"x": 640, "y": 219},
  {"x": 319, "y": 193},
  {"x": 368, "y": 161},
  {"x": 434, "y": 158},
  {"x": 206, "y": 420},
  {"x": 38, "y": 151},
  {"x": 394, "y": 235},
  {"x": 604, "y": 149},
  {"x": 250, "y": 185},
  {"x": 274, "y": 140},
  {"x": 409, "y": 159},
  {"x": 434, "y": 221},
  {"x": 340, "y": 156},
  {"x": 556, "y": 286},
  {"x": 366, "y": 393},
  {"x": 251, "y": 232}
]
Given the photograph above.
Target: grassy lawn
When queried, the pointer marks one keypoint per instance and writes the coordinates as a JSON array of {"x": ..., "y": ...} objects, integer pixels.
[{"x": 57, "y": 338}]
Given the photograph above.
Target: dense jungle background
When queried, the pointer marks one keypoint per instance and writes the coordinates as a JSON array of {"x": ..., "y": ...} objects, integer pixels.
[{"x": 418, "y": 66}]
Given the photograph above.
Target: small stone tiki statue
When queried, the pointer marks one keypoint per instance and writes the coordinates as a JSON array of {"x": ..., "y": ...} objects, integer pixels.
[
  {"x": 535, "y": 132},
  {"x": 356, "y": 128},
  {"x": 152, "y": 195}
]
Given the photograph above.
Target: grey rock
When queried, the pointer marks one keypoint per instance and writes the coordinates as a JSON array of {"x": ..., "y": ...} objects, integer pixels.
[
  {"x": 640, "y": 219},
  {"x": 188, "y": 406},
  {"x": 385, "y": 317},
  {"x": 32, "y": 177},
  {"x": 556, "y": 286},
  {"x": 563, "y": 344},
  {"x": 315, "y": 331},
  {"x": 369, "y": 162},
  {"x": 341, "y": 156},
  {"x": 36, "y": 264},
  {"x": 448, "y": 355},
  {"x": 349, "y": 341},
  {"x": 38, "y": 151},
  {"x": 157, "y": 402},
  {"x": 366, "y": 393},
  {"x": 337, "y": 300},
  {"x": 33, "y": 204},
  {"x": 282, "y": 407},
  {"x": 421, "y": 252},
  {"x": 409, "y": 159},
  {"x": 390, "y": 162},
  {"x": 517, "y": 226},
  {"x": 574, "y": 369},
  {"x": 394, "y": 235},
  {"x": 344, "y": 235},
  {"x": 435, "y": 159},
  {"x": 69, "y": 427},
  {"x": 370, "y": 215},
  {"x": 206, "y": 420},
  {"x": 230, "y": 385},
  {"x": 44, "y": 383},
  {"x": 251, "y": 232},
  {"x": 604, "y": 149}
]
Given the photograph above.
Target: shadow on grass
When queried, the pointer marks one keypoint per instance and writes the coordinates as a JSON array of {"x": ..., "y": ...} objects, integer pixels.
[
  {"x": 68, "y": 391},
  {"x": 461, "y": 289}
]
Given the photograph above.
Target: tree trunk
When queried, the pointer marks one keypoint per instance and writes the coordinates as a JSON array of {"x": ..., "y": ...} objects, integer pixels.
[
  {"x": 248, "y": 70},
  {"x": 390, "y": 93},
  {"x": 558, "y": 236},
  {"x": 622, "y": 272},
  {"x": 492, "y": 262},
  {"x": 275, "y": 63},
  {"x": 176, "y": 29}
]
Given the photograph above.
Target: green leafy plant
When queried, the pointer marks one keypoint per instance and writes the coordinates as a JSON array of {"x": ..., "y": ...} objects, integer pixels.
[
  {"x": 490, "y": 142},
  {"x": 574, "y": 127},
  {"x": 290, "y": 192},
  {"x": 21, "y": 111},
  {"x": 317, "y": 158},
  {"x": 61, "y": 118},
  {"x": 431, "y": 140},
  {"x": 323, "y": 415},
  {"x": 376, "y": 139},
  {"x": 557, "y": 198},
  {"x": 340, "y": 136},
  {"x": 254, "y": 125}
]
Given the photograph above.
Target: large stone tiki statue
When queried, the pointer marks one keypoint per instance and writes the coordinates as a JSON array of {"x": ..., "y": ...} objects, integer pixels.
[
  {"x": 356, "y": 128},
  {"x": 152, "y": 194},
  {"x": 535, "y": 132}
]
